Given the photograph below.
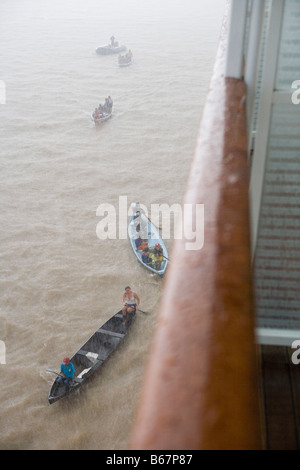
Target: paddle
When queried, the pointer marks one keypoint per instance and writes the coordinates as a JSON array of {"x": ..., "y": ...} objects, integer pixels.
[
  {"x": 142, "y": 311},
  {"x": 59, "y": 375},
  {"x": 53, "y": 372}
]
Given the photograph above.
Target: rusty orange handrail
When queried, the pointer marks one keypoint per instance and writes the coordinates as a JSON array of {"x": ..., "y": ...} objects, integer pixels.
[{"x": 200, "y": 387}]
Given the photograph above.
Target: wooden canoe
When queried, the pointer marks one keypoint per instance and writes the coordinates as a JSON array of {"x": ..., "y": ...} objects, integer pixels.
[
  {"x": 90, "y": 357},
  {"x": 153, "y": 237}
]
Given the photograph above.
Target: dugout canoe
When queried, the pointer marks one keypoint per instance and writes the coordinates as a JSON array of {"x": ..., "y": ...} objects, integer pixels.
[{"x": 93, "y": 354}]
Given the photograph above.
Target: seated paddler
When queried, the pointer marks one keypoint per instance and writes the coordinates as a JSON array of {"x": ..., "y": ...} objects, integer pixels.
[{"x": 67, "y": 372}]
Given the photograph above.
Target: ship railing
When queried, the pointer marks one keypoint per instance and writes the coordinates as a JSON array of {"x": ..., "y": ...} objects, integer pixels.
[{"x": 200, "y": 389}]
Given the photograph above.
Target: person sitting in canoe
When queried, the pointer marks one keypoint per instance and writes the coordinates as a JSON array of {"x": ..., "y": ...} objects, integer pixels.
[
  {"x": 158, "y": 259},
  {"x": 158, "y": 249},
  {"x": 138, "y": 241},
  {"x": 145, "y": 256},
  {"x": 101, "y": 109},
  {"x": 151, "y": 256},
  {"x": 67, "y": 372},
  {"x": 142, "y": 245},
  {"x": 130, "y": 303},
  {"x": 96, "y": 113},
  {"x": 158, "y": 256}
]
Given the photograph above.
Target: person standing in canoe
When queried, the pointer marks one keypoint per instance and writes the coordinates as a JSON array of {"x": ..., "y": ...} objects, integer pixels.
[
  {"x": 130, "y": 302},
  {"x": 67, "y": 371}
]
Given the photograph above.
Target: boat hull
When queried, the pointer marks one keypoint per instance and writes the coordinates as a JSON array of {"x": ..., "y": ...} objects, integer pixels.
[
  {"x": 125, "y": 63},
  {"x": 153, "y": 238},
  {"x": 93, "y": 354},
  {"x": 99, "y": 120},
  {"x": 108, "y": 49}
]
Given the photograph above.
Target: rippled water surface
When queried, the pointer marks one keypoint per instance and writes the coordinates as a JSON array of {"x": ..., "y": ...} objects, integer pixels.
[{"x": 59, "y": 282}]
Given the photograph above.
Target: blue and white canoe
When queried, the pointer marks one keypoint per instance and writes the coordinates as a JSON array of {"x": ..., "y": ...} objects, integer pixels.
[{"x": 149, "y": 230}]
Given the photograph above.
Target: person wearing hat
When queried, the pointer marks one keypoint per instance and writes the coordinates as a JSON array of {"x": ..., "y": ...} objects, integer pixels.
[
  {"x": 157, "y": 249},
  {"x": 67, "y": 372},
  {"x": 143, "y": 245},
  {"x": 130, "y": 302},
  {"x": 158, "y": 256}
]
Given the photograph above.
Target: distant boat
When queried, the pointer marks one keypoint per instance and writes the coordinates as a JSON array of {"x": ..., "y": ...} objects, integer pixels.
[
  {"x": 103, "y": 113},
  {"x": 125, "y": 60},
  {"x": 90, "y": 357},
  {"x": 136, "y": 229},
  {"x": 110, "y": 49}
]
